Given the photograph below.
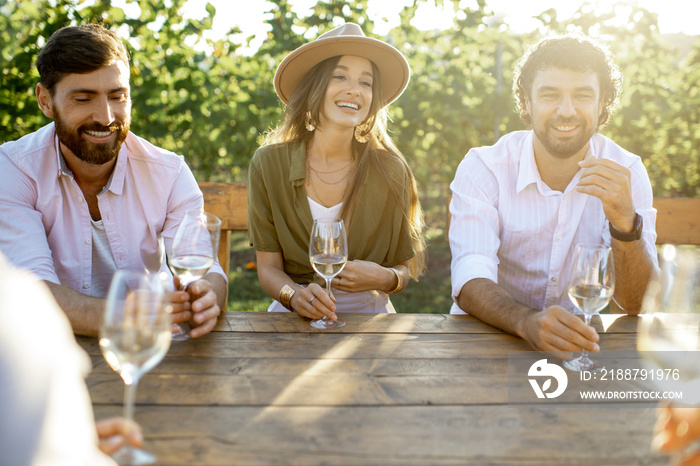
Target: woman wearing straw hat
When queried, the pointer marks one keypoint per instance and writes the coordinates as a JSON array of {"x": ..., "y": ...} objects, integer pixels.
[{"x": 331, "y": 157}]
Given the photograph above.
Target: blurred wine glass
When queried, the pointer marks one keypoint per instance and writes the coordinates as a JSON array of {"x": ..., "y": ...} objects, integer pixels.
[
  {"x": 134, "y": 337},
  {"x": 668, "y": 337}
]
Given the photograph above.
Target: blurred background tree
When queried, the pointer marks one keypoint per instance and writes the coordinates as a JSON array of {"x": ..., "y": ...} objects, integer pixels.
[
  {"x": 211, "y": 99},
  {"x": 205, "y": 99}
]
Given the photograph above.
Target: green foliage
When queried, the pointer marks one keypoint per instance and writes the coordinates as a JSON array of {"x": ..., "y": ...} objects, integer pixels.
[{"x": 209, "y": 101}]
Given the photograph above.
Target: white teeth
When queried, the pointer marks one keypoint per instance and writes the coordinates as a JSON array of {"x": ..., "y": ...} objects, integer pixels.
[
  {"x": 565, "y": 128},
  {"x": 99, "y": 134},
  {"x": 348, "y": 105}
]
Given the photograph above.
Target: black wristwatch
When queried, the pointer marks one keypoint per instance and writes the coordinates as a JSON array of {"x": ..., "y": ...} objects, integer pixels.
[{"x": 633, "y": 235}]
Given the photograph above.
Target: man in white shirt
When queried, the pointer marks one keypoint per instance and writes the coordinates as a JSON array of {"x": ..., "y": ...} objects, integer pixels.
[
  {"x": 83, "y": 196},
  {"x": 519, "y": 207}
]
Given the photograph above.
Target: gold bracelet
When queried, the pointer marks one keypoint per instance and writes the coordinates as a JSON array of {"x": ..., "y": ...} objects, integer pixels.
[
  {"x": 399, "y": 281},
  {"x": 286, "y": 294}
]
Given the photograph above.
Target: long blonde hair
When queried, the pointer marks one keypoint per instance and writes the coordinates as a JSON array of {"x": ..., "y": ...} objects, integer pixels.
[{"x": 380, "y": 149}]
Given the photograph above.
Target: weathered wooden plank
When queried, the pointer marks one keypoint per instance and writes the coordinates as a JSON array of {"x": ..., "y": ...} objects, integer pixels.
[
  {"x": 228, "y": 201},
  {"x": 358, "y": 346},
  {"x": 339, "y": 346},
  {"x": 397, "y": 435},
  {"x": 677, "y": 220},
  {"x": 391, "y": 323}
]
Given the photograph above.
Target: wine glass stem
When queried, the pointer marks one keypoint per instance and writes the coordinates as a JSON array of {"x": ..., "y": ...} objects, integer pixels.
[
  {"x": 330, "y": 295},
  {"x": 129, "y": 398},
  {"x": 587, "y": 320}
]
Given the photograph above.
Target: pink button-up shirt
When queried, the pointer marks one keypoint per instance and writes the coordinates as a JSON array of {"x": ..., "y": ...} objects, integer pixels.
[
  {"x": 45, "y": 221},
  {"x": 508, "y": 226}
]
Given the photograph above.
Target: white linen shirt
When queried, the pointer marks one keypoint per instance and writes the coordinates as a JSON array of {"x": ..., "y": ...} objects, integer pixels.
[
  {"x": 45, "y": 221},
  {"x": 508, "y": 226}
]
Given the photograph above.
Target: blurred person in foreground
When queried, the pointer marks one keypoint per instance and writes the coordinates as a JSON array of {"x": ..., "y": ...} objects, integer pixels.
[
  {"x": 83, "y": 196},
  {"x": 46, "y": 416},
  {"x": 519, "y": 207},
  {"x": 331, "y": 157}
]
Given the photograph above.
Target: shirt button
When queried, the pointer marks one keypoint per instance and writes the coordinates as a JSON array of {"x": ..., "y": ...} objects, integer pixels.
[
  {"x": 88, "y": 241},
  {"x": 554, "y": 279},
  {"x": 86, "y": 285},
  {"x": 558, "y": 238},
  {"x": 80, "y": 199}
]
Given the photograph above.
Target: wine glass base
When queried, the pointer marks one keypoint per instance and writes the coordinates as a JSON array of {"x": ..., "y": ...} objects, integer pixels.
[
  {"x": 133, "y": 456},
  {"x": 582, "y": 364},
  {"x": 183, "y": 334},
  {"x": 326, "y": 324}
]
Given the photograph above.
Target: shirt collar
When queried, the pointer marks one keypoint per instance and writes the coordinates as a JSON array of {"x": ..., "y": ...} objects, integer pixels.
[
  {"x": 297, "y": 169},
  {"x": 528, "y": 173},
  {"x": 116, "y": 180},
  {"x": 527, "y": 170}
]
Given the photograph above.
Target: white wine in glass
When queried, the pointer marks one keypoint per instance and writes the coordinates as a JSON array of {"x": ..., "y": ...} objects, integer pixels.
[
  {"x": 668, "y": 337},
  {"x": 134, "y": 338},
  {"x": 591, "y": 285},
  {"x": 328, "y": 253},
  {"x": 193, "y": 252}
]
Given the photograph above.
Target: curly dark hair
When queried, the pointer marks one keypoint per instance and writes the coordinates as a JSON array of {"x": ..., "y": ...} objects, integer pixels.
[{"x": 569, "y": 52}]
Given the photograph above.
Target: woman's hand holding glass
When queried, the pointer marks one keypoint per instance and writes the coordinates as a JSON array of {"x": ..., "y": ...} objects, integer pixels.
[
  {"x": 361, "y": 275},
  {"x": 328, "y": 253}
]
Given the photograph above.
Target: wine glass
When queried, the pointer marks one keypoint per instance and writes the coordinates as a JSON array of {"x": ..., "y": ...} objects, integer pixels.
[
  {"x": 194, "y": 249},
  {"x": 328, "y": 252},
  {"x": 134, "y": 337},
  {"x": 591, "y": 285},
  {"x": 668, "y": 337}
]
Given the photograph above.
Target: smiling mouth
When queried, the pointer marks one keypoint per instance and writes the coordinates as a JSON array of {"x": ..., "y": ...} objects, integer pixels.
[
  {"x": 565, "y": 129},
  {"x": 348, "y": 105},
  {"x": 99, "y": 134}
]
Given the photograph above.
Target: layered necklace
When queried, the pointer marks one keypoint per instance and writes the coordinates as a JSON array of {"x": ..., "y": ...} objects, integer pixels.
[{"x": 310, "y": 169}]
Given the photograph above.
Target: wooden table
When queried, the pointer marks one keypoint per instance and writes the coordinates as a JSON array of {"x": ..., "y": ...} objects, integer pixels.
[{"x": 391, "y": 389}]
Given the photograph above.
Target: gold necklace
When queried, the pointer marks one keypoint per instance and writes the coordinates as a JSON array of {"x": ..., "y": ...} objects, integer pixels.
[
  {"x": 328, "y": 173},
  {"x": 318, "y": 173},
  {"x": 320, "y": 199}
]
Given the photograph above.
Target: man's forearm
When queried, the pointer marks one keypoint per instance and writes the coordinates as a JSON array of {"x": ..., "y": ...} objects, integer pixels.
[
  {"x": 633, "y": 271},
  {"x": 84, "y": 312},
  {"x": 490, "y": 303}
]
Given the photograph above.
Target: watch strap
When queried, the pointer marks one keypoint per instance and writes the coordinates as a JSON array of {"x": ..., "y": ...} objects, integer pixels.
[{"x": 633, "y": 235}]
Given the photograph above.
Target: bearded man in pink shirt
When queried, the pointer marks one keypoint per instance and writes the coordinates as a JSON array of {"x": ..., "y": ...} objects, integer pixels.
[{"x": 83, "y": 196}]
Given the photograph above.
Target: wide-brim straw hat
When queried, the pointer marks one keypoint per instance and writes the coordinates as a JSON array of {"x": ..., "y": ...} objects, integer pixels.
[{"x": 348, "y": 39}]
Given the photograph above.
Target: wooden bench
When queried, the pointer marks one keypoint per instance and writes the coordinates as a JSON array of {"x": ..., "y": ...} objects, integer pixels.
[
  {"x": 677, "y": 220},
  {"x": 229, "y": 202}
]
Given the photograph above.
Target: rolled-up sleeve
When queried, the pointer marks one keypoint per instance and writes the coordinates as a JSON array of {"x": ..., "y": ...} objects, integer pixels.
[
  {"x": 474, "y": 225},
  {"x": 22, "y": 233}
]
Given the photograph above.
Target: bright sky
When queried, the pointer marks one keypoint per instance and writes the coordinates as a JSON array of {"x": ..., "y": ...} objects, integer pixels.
[{"x": 674, "y": 15}]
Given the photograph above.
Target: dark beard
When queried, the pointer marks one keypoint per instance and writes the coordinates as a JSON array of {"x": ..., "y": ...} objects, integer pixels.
[
  {"x": 96, "y": 154},
  {"x": 563, "y": 148}
]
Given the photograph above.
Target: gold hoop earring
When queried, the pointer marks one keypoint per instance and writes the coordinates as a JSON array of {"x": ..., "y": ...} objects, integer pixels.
[
  {"x": 362, "y": 133},
  {"x": 308, "y": 123}
]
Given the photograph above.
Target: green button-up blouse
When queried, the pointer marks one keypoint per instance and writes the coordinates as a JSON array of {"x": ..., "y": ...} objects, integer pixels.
[{"x": 279, "y": 217}]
